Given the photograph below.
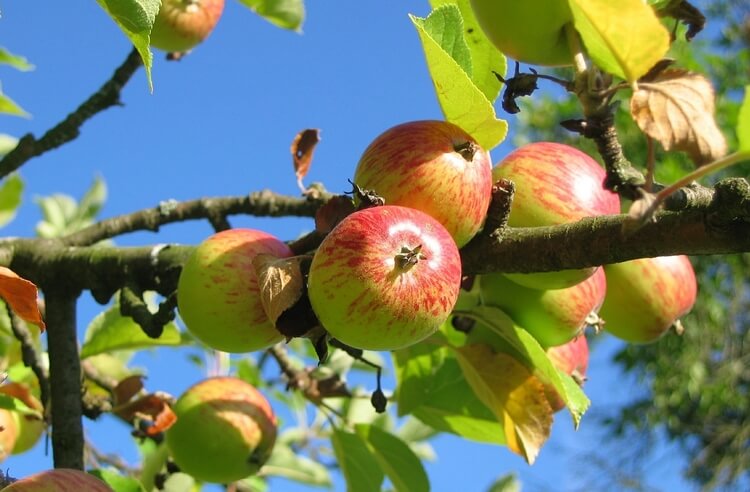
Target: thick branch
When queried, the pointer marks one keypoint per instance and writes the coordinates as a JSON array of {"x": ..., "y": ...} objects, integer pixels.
[
  {"x": 260, "y": 204},
  {"x": 65, "y": 379},
  {"x": 108, "y": 95}
]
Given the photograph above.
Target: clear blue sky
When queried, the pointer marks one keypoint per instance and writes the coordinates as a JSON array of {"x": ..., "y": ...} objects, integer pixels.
[{"x": 220, "y": 122}]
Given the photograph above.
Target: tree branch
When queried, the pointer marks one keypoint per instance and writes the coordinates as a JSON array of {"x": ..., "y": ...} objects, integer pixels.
[
  {"x": 108, "y": 95},
  {"x": 31, "y": 358}
]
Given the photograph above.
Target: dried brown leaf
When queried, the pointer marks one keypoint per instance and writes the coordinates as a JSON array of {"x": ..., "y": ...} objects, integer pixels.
[
  {"x": 676, "y": 108},
  {"x": 281, "y": 283},
  {"x": 641, "y": 211},
  {"x": 332, "y": 213},
  {"x": 127, "y": 389},
  {"x": 21, "y": 296},
  {"x": 153, "y": 408},
  {"x": 302, "y": 150}
]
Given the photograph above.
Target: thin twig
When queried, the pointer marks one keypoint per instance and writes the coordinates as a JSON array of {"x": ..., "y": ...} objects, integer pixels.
[{"x": 30, "y": 356}]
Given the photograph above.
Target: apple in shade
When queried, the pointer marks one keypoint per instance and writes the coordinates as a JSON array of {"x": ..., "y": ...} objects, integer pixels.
[
  {"x": 433, "y": 166},
  {"x": 553, "y": 317},
  {"x": 218, "y": 296},
  {"x": 180, "y": 25},
  {"x": 225, "y": 430},
  {"x": 384, "y": 278},
  {"x": 27, "y": 427},
  {"x": 8, "y": 433},
  {"x": 555, "y": 184},
  {"x": 59, "y": 480},
  {"x": 531, "y": 31},
  {"x": 571, "y": 358},
  {"x": 646, "y": 296}
]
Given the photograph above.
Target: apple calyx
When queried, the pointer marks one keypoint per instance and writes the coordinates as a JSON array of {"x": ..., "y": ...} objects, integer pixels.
[
  {"x": 408, "y": 257},
  {"x": 467, "y": 149}
]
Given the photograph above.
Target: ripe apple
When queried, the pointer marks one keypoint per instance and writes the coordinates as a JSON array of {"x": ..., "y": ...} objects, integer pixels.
[
  {"x": 646, "y": 296},
  {"x": 553, "y": 317},
  {"x": 225, "y": 430},
  {"x": 181, "y": 24},
  {"x": 384, "y": 278},
  {"x": 218, "y": 294},
  {"x": 8, "y": 433},
  {"x": 433, "y": 166},
  {"x": 59, "y": 480},
  {"x": 572, "y": 358},
  {"x": 531, "y": 31},
  {"x": 555, "y": 184}
]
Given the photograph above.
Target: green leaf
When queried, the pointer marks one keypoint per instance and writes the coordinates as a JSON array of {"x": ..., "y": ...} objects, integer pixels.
[
  {"x": 358, "y": 464},
  {"x": 110, "y": 331},
  {"x": 136, "y": 19},
  {"x": 8, "y": 106},
  {"x": 401, "y": 465},
  {"x": 92, "y": 201},
  {"x": 10, "y": 403},
  {"x": 446, "y": 27},
  {"x": 624, "y": 38},
  {"x": 527, "y": 349},
  {"x": 461, "y": 101},
  {"x": 15, "y": 61},
  {"x": 289, "y": 14},
  {"x": 180, "y": 482},
  {"x": 743, "y": 123},
  {"x": 11, "y": 191},
  {"x": 63, "y": 215},
  {"x": 286, "y": 463},
  {"x": 7, "y": 143},
  {"x": 506, "y": 483},
  {"x": 485, "y": 57},
  {"x": 118, "y": 482}
]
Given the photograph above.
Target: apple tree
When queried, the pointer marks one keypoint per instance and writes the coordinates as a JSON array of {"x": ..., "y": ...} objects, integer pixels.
[{"x": 478, "y": 286}]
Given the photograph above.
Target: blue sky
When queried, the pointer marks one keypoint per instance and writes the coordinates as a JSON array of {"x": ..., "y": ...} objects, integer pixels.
[{"x": 220, "y": 122}]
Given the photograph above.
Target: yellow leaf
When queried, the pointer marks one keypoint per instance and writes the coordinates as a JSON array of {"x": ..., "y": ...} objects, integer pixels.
[
  {"x": 514, "y": 395},
  {"x": 676, "y": 108}
]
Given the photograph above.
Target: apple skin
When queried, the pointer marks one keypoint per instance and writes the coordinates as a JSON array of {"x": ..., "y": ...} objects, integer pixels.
[
  {"x": 555, "y": 184},
  {"x": 29, "y": 428},
  {"x": 59, "y": 480},
  {"x": 416, "y": 165},
  {"x": 646, "y": 296},
  {"x": 9, "y": 433},
  {"x": 572, "y": 358},
  {"x": 365, "y": 297},
  {"x": 531, "y": 31},
  {"x": 218, "y": 296},
  {"x": 225, "y": 430},
  {"x": 553, "y": 317},
  {"x": 182, "y": 24}
]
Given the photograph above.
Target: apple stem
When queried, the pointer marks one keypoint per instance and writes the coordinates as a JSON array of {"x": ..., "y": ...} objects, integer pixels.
[
  {"x": 409, "y": 257},
  {"x": 466, "y": 149}
]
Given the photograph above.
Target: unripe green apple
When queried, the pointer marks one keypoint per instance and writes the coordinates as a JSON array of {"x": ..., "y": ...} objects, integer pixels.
[
  {"x": 225, "y": 430},
  {"x": 384, "y": 278},
  {"x": 571, "y": 358},
  {"x": 646, "y": 296},
  {"x": 530, "y": 31},
  {"x": 553, "y": 317},
  {"x": 59, "y": 480},
  {"x": 218, "y": 296},
  {"x": 433, "y": 166},
  {"x": 182, "y": 24},
  {"x": 555, "y": 184}
]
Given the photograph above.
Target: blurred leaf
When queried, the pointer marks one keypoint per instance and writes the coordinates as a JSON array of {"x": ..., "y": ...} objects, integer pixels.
[
  {"x": 180, "y": 482},
  {"x": 289, "y": 14},
  {"x": 15, "y": 61},
  {"x": 526, "y": 346},
  {"x": 676, "y": 108},
  {"x": 743, "y": 123},
  {"x": 118, "y": 482},
  {"x": 92, "y": 201},
  {"x": 136, "y": 19},
  {"x": 9, "y": 402},
  {"x": 485, "y": 58},
  {"x": 8, "y": 106},
  {"x": 109, "y": 331},
  {"x": 513, "y": 394},
  {"x": 248, "y": 371},
  {"x": 7, "y": 143},
  {"x": 11, "y": 191},
  {"x": 461, "y": 101},
  {"x": 506, "y": 483},
  {"x": 413, "y": 430},
  {"x": 624, "y": 38},
  {"x": 401, "y": 465},
  {"x": 253, "y": 483},
  {"x": 358, "y": 464},
  {"x": 285, "y": 463},
  {"x": 21, "y": 295}
]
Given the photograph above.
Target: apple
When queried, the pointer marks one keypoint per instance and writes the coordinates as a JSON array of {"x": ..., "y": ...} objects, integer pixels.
[
  {"x": 218, "y": 296},
  {"x": 553, "y": 317},
  {"x": 8, "y": 433},
  {"x": 225, "y": 430},
  {"x": 384, "y": 278},
  {"x": 59, "y": 480},
  {"x": 572, "y": 358},
  {"x": 29, "y": 427},
  {"x": 646, "y": 296},
  {"x": 555, "y": 184},
  {"x": 531, "y": 31},
  {"x": 433, "y": 166},
  {"x": 182, "y": 24}
]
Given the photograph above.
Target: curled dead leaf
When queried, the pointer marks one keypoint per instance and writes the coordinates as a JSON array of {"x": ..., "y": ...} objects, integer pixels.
[
  {"x": 302, "y": 150},
  {"x": 154, "y": 409},
  {"x": 676, "y": 108},
  {"x": 641, "y": 211},
  {"x": 281, "y": 283},
  {"x": 127, "y": 389},
  {"x": 21, "y": 295}
]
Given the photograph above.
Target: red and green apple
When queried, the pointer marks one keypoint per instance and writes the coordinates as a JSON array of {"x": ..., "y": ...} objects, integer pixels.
[
  {"x": 59, "y": 480},
  {"x": 180, "y": 25}
]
